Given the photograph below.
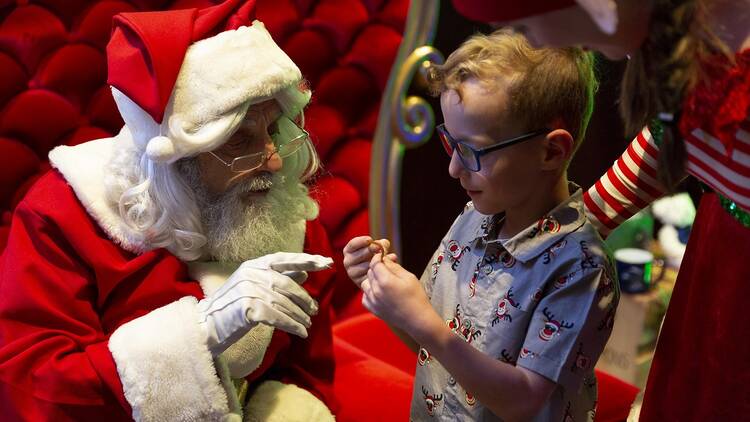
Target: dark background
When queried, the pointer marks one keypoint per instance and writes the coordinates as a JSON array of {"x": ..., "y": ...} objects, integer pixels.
[{"x": 431, "y": 199}]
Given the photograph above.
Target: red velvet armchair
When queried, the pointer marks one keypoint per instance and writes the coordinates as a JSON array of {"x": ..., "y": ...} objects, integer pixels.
[{"x": 53, "y": 91}]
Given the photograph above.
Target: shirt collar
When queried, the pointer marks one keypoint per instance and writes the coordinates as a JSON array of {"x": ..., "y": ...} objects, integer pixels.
[{"x": 540, "y": 236}]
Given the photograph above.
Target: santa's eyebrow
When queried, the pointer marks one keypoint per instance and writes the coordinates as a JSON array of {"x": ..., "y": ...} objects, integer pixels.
[{"x": 267, "y": 113}]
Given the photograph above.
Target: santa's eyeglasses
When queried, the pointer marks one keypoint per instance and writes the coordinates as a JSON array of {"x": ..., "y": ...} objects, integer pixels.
[
  {"x": 469, "y": 156},
  {"x": 283, "y": 147}
]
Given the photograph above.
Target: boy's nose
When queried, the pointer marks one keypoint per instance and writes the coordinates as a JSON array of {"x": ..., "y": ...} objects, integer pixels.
[{"x": 456, "y": 167}]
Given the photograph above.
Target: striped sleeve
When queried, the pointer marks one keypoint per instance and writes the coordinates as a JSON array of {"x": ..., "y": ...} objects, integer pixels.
[
  {"x": 627, "y": 187},
  {"x": 725, "y": 170}
]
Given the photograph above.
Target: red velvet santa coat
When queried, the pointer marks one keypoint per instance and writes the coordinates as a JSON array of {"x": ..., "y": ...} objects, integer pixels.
[{"x": 66, "y": 288}]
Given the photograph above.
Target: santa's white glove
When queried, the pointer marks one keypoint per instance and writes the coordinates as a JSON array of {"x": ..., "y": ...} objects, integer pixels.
[{"x": 258, "y": 292}]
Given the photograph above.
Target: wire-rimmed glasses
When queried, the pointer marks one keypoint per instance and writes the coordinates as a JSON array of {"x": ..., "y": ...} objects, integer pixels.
[{"x": 284, "y": 148}]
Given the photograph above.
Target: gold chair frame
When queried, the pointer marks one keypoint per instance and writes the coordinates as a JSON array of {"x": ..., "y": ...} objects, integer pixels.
[{"x": 403, "y": 122}]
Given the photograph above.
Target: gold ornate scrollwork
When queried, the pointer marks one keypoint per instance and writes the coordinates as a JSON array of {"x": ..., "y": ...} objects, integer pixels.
[
  {"x": 413, "y": 116},
  {"x": 403, "y": 122}
]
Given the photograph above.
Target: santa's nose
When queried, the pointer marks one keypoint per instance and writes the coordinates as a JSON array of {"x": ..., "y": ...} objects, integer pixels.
[{"x": 273, "y": 162}]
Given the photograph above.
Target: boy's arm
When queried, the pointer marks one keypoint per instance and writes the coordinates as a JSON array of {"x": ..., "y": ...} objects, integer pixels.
[
  {"x": 630, "y": 185},
  {"x": 511, "y": 392},
  {"x": 405, "y": 338}
]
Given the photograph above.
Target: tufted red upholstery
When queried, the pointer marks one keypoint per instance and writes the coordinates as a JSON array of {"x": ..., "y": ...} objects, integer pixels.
[{"x": 53, "y": 91}]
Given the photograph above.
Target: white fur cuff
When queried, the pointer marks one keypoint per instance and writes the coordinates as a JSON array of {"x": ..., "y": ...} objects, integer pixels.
[
  {"x": 165, "y": 367},
  {"x": 273, "y": 401}
]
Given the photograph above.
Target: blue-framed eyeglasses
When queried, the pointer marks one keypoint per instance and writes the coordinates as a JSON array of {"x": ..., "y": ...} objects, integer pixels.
[
  {"x": 469, "y": 156},
  {"x": 283, "y": 147}
]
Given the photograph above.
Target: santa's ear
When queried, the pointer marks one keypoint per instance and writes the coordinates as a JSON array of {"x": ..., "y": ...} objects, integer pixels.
[{"x": 558, "y": 149}]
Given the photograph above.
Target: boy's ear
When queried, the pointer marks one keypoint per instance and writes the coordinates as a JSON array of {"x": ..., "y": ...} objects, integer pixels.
[{"x": 558, "y": 148}]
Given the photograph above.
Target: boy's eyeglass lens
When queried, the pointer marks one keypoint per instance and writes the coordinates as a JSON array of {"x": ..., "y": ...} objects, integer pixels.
[{"x": 465, "y": 154}]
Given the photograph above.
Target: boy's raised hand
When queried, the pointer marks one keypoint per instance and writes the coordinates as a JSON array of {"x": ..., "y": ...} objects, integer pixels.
[
  {"x": 396, "y": 296},
  {"x": 358, "y": 253}
]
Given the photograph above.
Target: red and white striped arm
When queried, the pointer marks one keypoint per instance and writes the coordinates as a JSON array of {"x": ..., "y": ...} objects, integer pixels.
[
  {"x": 726, "y": 171},
  {"x": 627, "y": 187}
]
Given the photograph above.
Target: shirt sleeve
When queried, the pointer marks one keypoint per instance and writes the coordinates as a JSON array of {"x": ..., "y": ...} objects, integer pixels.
[
  {"x": 570, "y": 326},
  {"x": 627, "y": 187}
]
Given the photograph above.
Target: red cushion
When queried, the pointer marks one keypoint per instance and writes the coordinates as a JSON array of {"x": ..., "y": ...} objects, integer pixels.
[
  {"x": 312, "y": 52},
  {"x": 21, "y": 164},
  {"x": 339, "y": 20},
  {"x": 31, "y": 32},
  {"x": 13, "y": 78},
  {"x": 102, "y": 111},
  {"x": 339, "y": 198},
  {"x": 326, "y": 126},
  {"x": 374, "y": 50},
  {"x": 372, "y": 336},
  {"x": 75, "y": 71},
  {"x": 281, "y": 18},
  {"x": 40, "y": 118},
  {"x": 615, "y": 398},
  {"x": 352, "y": 162},
  {"x": 96, "y": 24},
  {"x": 369, "y": 389},
  {"x": 84, "y": 134},
  {"x": 344, "y": 87}
]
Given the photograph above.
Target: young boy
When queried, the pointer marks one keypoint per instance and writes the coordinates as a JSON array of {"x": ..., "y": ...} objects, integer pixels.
[{"x": 519, "y": 299}]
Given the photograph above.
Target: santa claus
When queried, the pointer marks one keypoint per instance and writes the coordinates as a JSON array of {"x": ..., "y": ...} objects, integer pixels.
[{"x": 156, "y": 275}]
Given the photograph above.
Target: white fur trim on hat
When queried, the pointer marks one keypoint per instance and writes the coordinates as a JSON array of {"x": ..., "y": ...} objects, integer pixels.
[
  {"x": 220, "y": 76},
  {"x": 229, "y": 69}
]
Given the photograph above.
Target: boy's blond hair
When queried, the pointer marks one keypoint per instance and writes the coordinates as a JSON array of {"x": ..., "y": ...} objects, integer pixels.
[{"x": 547, "y": 86}]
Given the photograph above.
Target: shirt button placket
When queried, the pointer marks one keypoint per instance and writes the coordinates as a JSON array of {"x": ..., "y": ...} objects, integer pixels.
[{"x": 451, "y": 406}]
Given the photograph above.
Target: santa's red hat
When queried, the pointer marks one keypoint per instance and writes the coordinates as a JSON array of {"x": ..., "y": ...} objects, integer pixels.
[
  {"x": 603, "y": 12},
  {"x": 175, "y": 74}
]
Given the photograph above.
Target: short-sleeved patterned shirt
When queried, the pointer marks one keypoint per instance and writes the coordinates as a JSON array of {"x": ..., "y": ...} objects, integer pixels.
[{"x": 544, "y": 300}]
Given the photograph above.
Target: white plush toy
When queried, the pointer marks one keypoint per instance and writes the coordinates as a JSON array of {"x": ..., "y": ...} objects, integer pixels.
[{"x": 676, "y": 213}]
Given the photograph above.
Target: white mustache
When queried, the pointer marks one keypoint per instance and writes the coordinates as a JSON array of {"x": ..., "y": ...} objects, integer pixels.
[{"x": 258, "y": 183}]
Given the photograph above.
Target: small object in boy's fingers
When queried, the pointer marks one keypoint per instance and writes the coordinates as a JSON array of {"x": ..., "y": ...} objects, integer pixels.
[{"x": 383, "y": 248}]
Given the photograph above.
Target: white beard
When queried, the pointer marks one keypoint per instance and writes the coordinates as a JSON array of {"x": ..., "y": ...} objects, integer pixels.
[{"x": 237, "y": 229}]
